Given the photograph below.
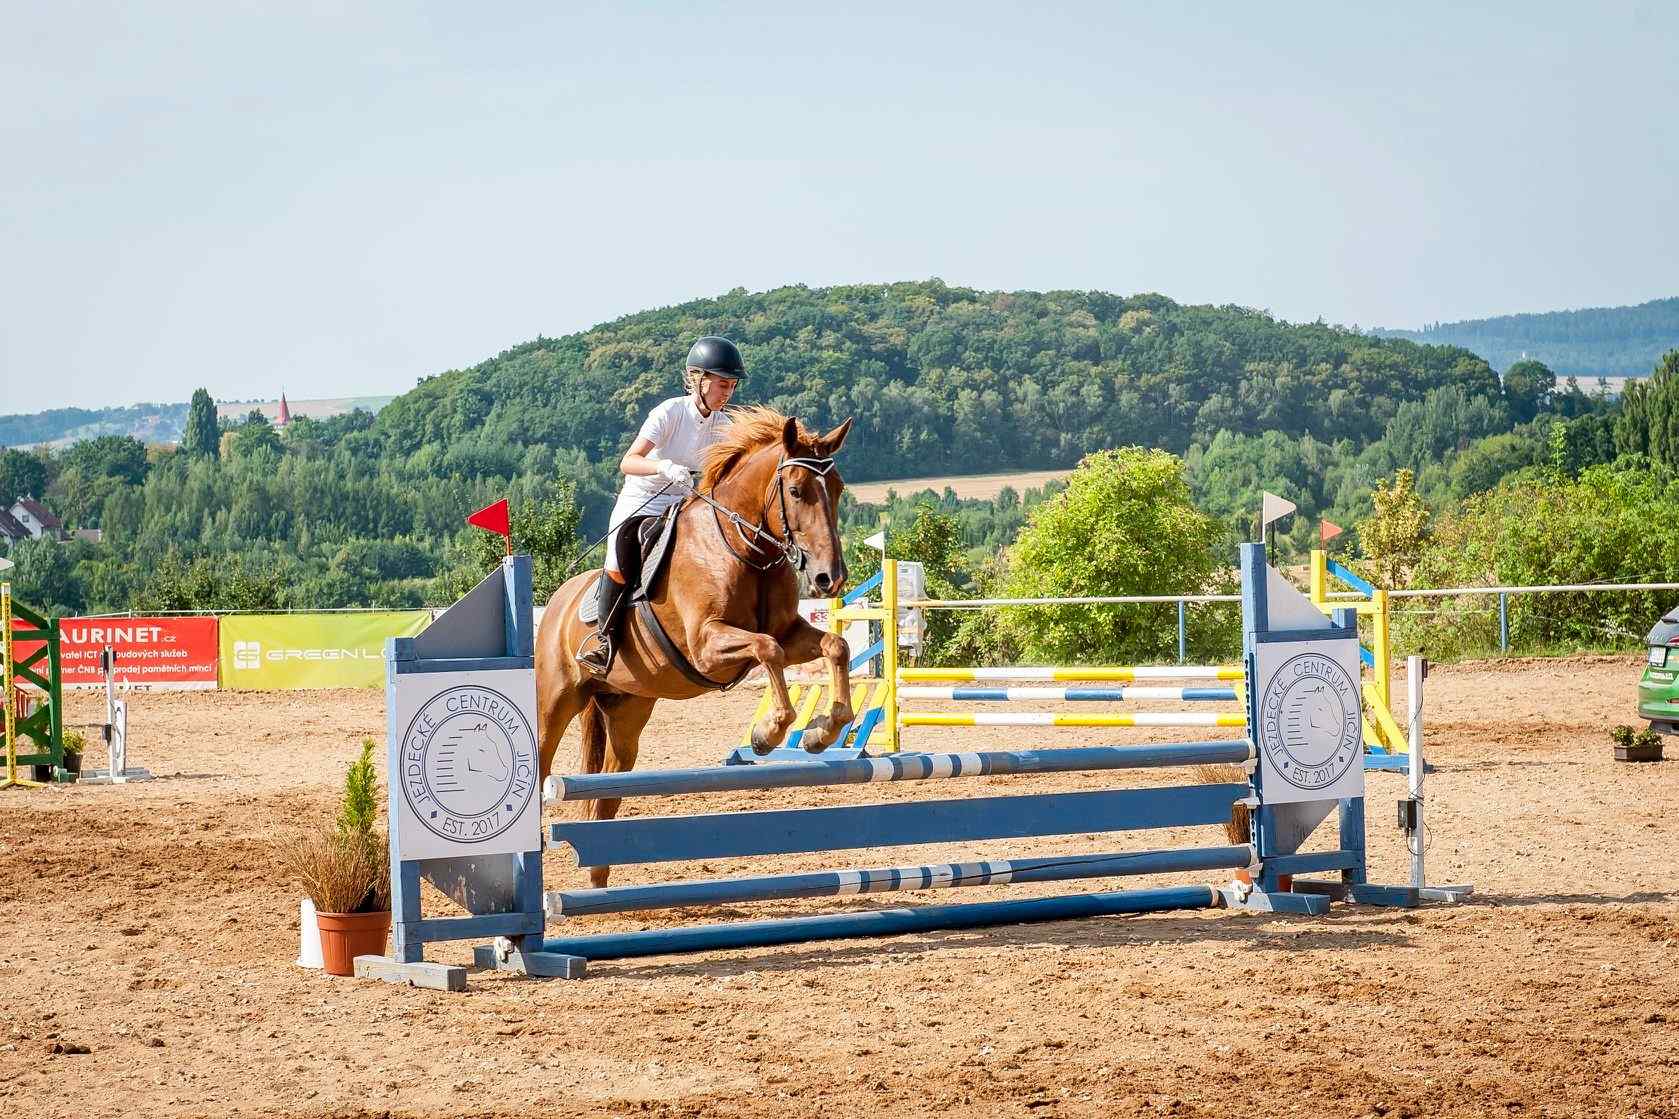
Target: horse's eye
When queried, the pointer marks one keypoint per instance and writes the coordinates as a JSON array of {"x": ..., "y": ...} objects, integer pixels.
[{"x": 797, "y": 492}]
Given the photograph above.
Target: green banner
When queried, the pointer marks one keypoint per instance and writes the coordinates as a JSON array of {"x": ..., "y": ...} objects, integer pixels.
[{"x": 275, "y": 652}]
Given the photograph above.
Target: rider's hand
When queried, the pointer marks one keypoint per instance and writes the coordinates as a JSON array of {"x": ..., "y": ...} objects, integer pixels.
[{"x": 676, "y": 474}]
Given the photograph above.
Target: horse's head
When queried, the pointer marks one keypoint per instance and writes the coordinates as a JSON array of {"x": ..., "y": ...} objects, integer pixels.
[
  {"x": 771, "y": 469},
  {"x": 810, "y": 486}
]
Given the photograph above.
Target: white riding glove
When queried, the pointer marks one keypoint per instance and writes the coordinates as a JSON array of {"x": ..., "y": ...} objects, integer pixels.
[{"x": 677, "y": 475}]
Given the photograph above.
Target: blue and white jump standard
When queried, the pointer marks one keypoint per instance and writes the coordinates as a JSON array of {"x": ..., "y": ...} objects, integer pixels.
[{"x": 1303, "y": 754}]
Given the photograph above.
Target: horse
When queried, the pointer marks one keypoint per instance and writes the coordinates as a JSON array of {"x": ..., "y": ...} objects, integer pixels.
[{"x": 766, "y": 506}]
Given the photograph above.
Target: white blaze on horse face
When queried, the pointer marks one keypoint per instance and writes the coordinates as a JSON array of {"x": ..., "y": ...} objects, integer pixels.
[{"x": 815, "y": 515}]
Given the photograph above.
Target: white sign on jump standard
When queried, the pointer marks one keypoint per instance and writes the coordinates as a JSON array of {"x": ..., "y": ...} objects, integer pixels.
[
  {"x": 1310, "y": 730},
  {"x": 468, "y": 781}
]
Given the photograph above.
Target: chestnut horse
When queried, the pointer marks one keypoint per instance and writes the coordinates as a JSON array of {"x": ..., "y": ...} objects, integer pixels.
[{"x": 766, "y": 503}]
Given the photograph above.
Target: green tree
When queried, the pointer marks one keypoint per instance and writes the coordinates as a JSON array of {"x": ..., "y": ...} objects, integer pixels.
[
  {"x": 1528, "y": 388},
  {"x": 208, "y": 583},
  {"x": 1649, "y": 419},
  {"x": 1486, "y": 461},
  {"x": 45, "y": 576},
  {"x": 1578, "y": 443},
  {"x": 21, "y": 474},
  {"x": 122, "y": 457},
  {"x": 545, "y": 528},
  {"x": 1125, "y": 525},
  {"x": 256, "y": 436},
  {"x": 203, "y": 436},
  {"x": 1614, "y": 523},
  {"x": 1392, "y": 538}
]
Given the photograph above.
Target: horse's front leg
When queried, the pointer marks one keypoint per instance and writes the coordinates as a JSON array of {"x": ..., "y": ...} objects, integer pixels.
[
  {"x": 807, "y": 643},
  {"x": 721, "y": 649}
]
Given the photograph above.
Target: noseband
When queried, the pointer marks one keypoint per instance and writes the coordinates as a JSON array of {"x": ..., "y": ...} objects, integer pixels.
[{"x": 757, "y": 537}]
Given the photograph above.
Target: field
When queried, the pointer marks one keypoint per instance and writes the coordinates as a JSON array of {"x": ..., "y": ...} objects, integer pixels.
[
  {"x": 982, "y": 486},
  {"x": 152, "y": 926}
]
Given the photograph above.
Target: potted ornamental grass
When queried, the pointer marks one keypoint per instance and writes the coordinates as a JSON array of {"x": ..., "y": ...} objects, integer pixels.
[
  {"x": 345, "y": 870},
  {"x": 1237, "y": 829},
  {"x": 75, "y": 745}
]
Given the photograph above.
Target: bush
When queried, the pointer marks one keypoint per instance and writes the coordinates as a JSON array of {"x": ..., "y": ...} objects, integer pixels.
[
  {"x": 1613, "y": 524},
  {"x": 1124, "y": 525}
]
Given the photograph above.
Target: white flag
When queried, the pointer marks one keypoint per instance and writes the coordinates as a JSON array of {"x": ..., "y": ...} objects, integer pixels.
[
  {"x": 1273, "y": 508},
  {"x": 877, "y": 541}
]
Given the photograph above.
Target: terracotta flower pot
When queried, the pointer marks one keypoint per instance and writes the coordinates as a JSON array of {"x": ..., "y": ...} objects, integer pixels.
[
  {"x": 344, "y": 936},
  {"x": 1284, "y": 881}
]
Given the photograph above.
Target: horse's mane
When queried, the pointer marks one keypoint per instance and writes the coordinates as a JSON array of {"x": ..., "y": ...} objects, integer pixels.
[{"x": 751, "y": 429}]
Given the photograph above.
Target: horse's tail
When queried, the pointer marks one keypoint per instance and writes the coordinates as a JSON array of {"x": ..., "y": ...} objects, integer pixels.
[{"x": 592, "y": 738}]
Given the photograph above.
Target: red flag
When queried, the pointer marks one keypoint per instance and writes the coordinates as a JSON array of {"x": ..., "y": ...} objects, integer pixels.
[
  {"x": 1328, "y": 530},
  {"x": 493, "y": 518}
]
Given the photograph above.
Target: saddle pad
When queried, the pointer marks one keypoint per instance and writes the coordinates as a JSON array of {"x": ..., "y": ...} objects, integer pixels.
[
  {"x": 657, "y": 537},
  {"x": 653, "y": 537}
]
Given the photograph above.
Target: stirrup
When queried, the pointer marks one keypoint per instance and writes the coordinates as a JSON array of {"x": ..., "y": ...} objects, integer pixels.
[{"x": 598, "y": 659}]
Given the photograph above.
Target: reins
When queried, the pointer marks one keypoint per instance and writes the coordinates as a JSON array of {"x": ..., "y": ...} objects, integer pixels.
[{"x": 754, "y": 535}]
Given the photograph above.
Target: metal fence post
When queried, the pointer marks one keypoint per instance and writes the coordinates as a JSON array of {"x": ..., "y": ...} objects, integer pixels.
[
  {"x": 1182, "y": 652},
  {"x": 1503, "y": 622}
]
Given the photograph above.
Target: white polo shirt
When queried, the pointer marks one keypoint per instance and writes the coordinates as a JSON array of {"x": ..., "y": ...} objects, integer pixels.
[{"x": 679, "y": 433}]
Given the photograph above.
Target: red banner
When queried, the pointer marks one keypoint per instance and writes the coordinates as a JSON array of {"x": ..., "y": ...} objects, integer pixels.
[{"x": 151, "y": 652}]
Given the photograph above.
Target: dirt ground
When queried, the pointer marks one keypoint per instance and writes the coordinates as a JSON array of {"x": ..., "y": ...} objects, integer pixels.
[{"x": 153, "y": 926}]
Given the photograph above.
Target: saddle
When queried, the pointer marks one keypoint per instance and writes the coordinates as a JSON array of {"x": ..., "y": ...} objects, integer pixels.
[{"x": 643, "y": 555}]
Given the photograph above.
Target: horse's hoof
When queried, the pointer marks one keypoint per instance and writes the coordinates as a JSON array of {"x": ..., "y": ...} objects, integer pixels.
[{"x": 760, "y": 747}]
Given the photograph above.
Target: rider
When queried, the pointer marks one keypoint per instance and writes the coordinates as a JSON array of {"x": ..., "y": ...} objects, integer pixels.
[{"x": 656, "y": 469}]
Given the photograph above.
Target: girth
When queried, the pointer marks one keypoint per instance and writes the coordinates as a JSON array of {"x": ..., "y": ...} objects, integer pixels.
[{"x": 682, "y": 664}]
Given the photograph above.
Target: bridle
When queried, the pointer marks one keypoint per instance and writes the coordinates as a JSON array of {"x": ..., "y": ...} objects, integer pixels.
[{"x": 758, "y": 538}]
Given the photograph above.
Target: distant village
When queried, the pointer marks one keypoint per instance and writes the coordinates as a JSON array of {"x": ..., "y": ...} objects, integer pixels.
[{"x": 26, "y": 518}]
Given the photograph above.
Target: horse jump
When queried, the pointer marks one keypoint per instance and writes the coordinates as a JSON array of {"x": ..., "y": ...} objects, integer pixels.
[
  {"x": 1302, "y": 756},
  {"x": 882, "y": 717}
]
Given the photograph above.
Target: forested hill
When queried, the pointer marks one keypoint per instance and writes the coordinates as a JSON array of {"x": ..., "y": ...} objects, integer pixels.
[
  {"x": 148, "y": 422},
  {"x": 939, "y": 379},
  {"x": 1597, "y": 341}
]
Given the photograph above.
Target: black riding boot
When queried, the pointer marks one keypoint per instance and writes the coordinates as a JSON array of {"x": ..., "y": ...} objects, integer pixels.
[{"x": 598, "y": 650}]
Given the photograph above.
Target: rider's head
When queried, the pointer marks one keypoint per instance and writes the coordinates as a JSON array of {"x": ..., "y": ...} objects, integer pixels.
[{"x": 713, "y": 369}]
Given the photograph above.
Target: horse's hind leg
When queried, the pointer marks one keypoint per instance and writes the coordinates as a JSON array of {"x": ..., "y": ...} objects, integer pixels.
[
  {"x": 625, "y": 718},
  {"x": 556, "y": 707}
]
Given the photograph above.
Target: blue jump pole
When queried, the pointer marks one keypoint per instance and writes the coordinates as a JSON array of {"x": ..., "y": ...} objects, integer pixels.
[
  {"x": 880, "y": 922},
  {"x": 841, "y": 883},
  {"x": 897, "y": 767}
]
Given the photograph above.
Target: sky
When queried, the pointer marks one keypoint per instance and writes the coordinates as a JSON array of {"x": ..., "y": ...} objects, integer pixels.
[{"x": 339, "y": 200}]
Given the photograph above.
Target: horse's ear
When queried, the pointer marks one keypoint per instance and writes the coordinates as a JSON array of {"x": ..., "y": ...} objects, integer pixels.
[
  {"x": 835, "y": 439},
  {"x": 790, "y": 437}
]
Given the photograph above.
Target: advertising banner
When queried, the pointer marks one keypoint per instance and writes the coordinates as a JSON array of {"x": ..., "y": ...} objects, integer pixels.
[
  {"x": 276, "y": 652},
  {"x": 151, "y": 652}
]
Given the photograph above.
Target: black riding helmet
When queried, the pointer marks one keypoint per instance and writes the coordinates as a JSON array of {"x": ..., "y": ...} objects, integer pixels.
[{"x": 717, "y": 355}]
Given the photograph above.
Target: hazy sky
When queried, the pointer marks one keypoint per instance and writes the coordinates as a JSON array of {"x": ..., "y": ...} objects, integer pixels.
[{"x": 250, "y": 197}]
